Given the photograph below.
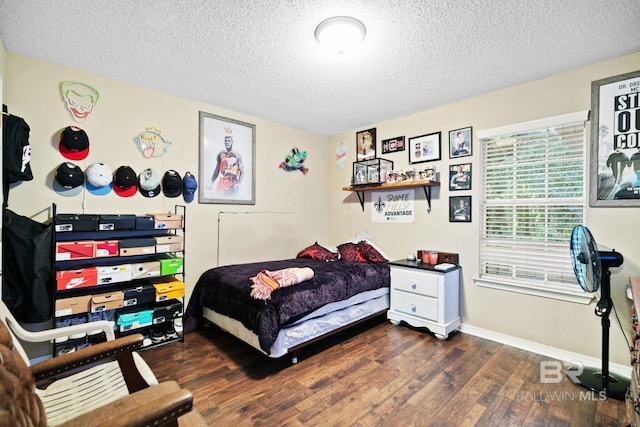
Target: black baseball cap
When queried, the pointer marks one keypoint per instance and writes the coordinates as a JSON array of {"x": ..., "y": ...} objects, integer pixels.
[
  {"x": 74, "y": 143},
  {"x": 68, "y": 179},
  {"x": 171, "y": 184},
  {"x": 125, "y": 181}
]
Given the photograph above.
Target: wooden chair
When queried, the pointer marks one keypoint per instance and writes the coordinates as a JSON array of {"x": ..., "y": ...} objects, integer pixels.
[{"x": 104, "y": 384}]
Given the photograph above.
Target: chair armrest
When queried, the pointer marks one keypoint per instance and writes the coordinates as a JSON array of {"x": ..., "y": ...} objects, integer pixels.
[
  {"x": 71, "y": 362},
  {"x": 152, "y": 406},
  {"x": 51, "y": 334}
]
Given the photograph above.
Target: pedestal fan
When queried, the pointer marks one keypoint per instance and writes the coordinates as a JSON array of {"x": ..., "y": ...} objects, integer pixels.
[{"x": 591, "y": 267}]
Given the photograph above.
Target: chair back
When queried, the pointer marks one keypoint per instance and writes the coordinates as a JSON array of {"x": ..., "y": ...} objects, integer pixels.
[
  {"x": 11, "y": 324},
  {"x": 19, "y": 403}
]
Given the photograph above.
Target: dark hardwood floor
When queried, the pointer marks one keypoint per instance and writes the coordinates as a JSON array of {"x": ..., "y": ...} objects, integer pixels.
[{"x": 376, "y": 375}]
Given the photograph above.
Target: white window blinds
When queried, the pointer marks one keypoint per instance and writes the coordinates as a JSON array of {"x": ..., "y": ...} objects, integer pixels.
[{"x": 532, "y": 195}]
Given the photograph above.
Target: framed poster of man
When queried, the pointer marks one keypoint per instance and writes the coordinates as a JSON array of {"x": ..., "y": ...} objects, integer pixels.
[{"x": 615, "y": 146}]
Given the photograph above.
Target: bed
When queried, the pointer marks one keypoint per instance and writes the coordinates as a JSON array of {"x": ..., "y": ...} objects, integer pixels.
[{"x": 346, "y": 289}]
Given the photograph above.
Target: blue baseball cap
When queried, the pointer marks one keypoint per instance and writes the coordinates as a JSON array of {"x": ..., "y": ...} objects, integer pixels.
[{"x": 190, "y": 185}]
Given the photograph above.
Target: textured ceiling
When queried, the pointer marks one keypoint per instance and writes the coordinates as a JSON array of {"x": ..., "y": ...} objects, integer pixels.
[{"x": 261, "y": 57}]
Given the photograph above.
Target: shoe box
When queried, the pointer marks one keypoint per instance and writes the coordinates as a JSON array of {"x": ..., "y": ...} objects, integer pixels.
[
  {"x": 107, "y": 301},
  {"x": 137, "y": 246},
  {"x": 116, "y": 222},
  {"x": 83, "y": 249},
  {"x": 74, "y": 305},
  {"x": 143, "y": 293},
  {"x": 114, "y": 274},
  {"x": 75, "y": 222},
  {"x": 166, "y": 311},
  {"x": 170, "y": 264},
  {"x": 168, "y": 243},
  {"x": 166, "y": 221},
  {"x": 146, "y": 222},
  {"x": 144, "y": 270},
  {"x": 76, "y": 279},
  {"x": 135, "y": 317},
  {"x": 167, "y": 288},
  {"x": 106, "y": 248}
]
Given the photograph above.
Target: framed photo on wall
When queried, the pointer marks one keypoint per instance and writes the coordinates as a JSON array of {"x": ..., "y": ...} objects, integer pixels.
[
  {"x": 460, "y": 142},
  {"x": 460, "y": 209},
  {"x": 615, "y": 146},
  {"x": 392, "y": 145},
  {"x": 460, "y": 177},
  {"x": 366, "y": 144},
  {"x": 424, "y": 148},
  {"x": 227, "y": 162}
]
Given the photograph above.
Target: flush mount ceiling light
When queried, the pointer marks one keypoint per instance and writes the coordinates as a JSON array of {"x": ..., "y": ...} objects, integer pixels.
[{"x": 340, "y": 33}]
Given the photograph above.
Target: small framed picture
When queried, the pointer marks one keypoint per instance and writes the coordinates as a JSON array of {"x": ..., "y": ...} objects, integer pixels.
[
  {"x": 460, "y": 209},
  {"x": 392, "y": 145},
  {"x": 366, "y": 144},
  {"x": 460, "y": 177},
  {"x": 460, "y": 142},
  {"x": 424, "y": 148}
]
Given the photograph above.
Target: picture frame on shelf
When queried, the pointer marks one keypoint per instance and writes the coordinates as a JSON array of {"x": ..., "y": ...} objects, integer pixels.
[
  {"x": 393, "y": 145},
  {"x": 460, "y": 142},
  {"x": 460, "y": 177},
  {"x": 460, "y": 209},
  {"x": 227, "y": 160},
  {"x": 366, "y": 144},
  {"x": 615, "y": 154},
  {"x": 424, "y": 148}
]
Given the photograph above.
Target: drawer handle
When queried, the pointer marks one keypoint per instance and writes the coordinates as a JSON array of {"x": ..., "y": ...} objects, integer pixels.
[
  {"x": 413, "y": 285},
  {"x": 413, "y": 308}
]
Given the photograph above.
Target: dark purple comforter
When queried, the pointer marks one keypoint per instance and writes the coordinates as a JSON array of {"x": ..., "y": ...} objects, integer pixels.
[{"x": 226, "y": 290}]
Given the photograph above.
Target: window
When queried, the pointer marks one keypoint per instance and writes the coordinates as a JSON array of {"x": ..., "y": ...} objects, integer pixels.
[{"x": 533, "y": 184}]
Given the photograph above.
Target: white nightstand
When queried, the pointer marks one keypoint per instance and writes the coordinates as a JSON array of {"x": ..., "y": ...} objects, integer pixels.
[{"x": 424, "y": 297}]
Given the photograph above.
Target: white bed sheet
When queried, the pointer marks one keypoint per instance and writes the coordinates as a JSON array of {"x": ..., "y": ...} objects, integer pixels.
[{"x": 326, "y": 319}]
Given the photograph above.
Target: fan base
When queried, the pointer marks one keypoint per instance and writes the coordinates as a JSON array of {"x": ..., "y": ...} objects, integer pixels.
[{"x": 592, "y": 379}]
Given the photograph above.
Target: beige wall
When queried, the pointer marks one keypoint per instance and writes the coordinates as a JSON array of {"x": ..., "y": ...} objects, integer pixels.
[
  {"x": 569, "y": 326},
  {"x": 125, "y": 110}
]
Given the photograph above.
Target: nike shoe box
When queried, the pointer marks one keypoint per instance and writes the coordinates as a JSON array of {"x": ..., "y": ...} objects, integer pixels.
[
  {"x": 116, "y": 222},
  {"x": 168, "y": 243},
  {"x": 85, "y": 249},
  {"x": 137, "y": 246},
  {"x": 144, "y": 270},
  {"x": 105, "y": 248},
  {"x": 168, "y": 288},
  {"x": 75, "y": 305},
  {"x": 134, "y": 318},
  {"x": 67, "y": 280},
  {"x": 143, "y": 293},
  {"x": 167, "y": 311},
  {"x": 146, "y": 222},
  {"x": 170, "y": 264},
  {"x": 167, "y": 221},
  {"x": 107, "y": 301},
  {"x": 75, "y": 222},
  {"x": 114, "y": 274}
]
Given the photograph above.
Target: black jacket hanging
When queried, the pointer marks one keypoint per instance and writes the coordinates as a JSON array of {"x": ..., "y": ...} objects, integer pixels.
[
  {"x": 27, "y": 281},
  {"x": 16, "y": 153}
]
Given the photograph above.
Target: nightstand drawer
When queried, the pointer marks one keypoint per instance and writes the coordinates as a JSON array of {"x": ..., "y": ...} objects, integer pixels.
[
  {"x": 419, "y": 282},
  {"x": 415, "y": 305}
]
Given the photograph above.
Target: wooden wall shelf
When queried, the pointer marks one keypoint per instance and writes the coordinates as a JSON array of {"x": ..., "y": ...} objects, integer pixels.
[{"x": 426, "y": 186}]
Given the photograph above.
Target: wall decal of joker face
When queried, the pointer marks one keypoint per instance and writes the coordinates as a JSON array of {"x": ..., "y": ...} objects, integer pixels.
[{"x": 80, "y": 99}]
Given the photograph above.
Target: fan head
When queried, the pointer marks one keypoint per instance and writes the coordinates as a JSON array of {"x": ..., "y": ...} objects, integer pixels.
[{"x": 585, "y": 259}]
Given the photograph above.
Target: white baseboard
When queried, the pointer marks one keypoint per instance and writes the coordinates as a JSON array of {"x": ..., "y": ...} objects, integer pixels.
[{"x": 545, "y": 350}]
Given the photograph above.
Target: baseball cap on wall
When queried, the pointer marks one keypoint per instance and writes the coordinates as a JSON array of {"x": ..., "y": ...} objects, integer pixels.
[
  {"x": 68, "y": 180},
  {"x": 149, "y": 183},
  {"x": 190, "y": 185},
  {"x": 171, "y": 184},
  {"x": 74, "y": 143},
  {"x": 125, "y": 182},
  {"x": 99, "y": 179}
]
